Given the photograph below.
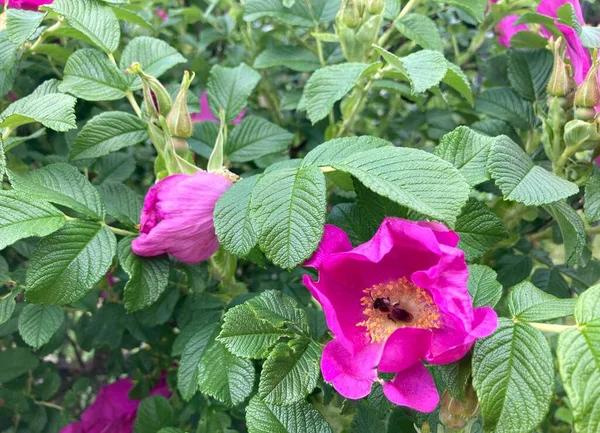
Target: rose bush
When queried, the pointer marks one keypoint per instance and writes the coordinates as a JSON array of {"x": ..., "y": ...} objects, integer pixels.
[{"x": 320, "y": 216}]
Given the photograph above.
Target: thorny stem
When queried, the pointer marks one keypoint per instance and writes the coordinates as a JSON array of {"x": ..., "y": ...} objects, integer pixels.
[
  {"x": 476, "y": 43},
  {"x": 405, "y": 10}
]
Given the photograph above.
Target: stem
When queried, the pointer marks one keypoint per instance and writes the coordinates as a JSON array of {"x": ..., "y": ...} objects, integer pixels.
[
  {"x": 550, "y": 327},
  {"x": 121, "y": 232},
  {"x": 327, "y": 169},
  {"x": 133, "y": 103},
  {"x": 40, "y": 40},
  {"x": 322, "y": 60},
  {"x": 405, "y": 10},
  {"x": 476, "y": 43},
  {"x": 6, "y": 134},
  {"x": 129, "y": 93},
  {"x": 357, "y": 107},
  {"x": 47, "y": 404}
]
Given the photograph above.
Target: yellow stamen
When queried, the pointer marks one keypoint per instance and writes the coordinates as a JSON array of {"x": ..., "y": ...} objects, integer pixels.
[{"x": 419, "y": 310}]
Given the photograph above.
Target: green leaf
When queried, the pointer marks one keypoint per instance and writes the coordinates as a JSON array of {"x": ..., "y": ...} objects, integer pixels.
[
  {"x": 153, "y": 413},
  {"x": 233, "y": 224},
  {"x": 579, "y": 361},
  {"x": 529, "y": 72},
  {"x": 514, "y": 378},
  {"x": 224, "y": 376},
  {"x": 294, "y": 418},
  {"x": 302, "y": 13},
  {"x": 37, "y": 323},
  {"x": 8, "y": 53},
  {"x": 290, "y": 372},
  {"x": 246, "y": 335},
  {"x": 338, "y": 149},
  {"x": 230, "y": 88},
  {"x": 62, "y": 184},
  {"x": 114, "y": 167},
  {"x": 89, "y": 75},
  {"x": 21, "y": 217},
  {"x": 572, "y": 229},
  {"x": 16, "y": 362},
  {"x": 479, "y": 229},
  {"x": 122, "y": 203},
  {"x": 551, "y": 281},
  {"x": 256, "y": 137},
  {"x": 424, "y": 69},
  {"x": 155, "y": 56},
  {"x": 591, "y": 204},
  {"x": 475, "y": 8},
  {"x": 528, "y": 303},
  {"x": 457, "y": 79},
  {"x": 521, "y": 180},
  {"x": 422, "y": 30},
  {"x": 188, "y": 372},
  {"x": 148, "y": 276},
  {"x": 288, "y": 212},
  {"x": 66, "y": 265},
  {"x": 93, "y": 18},
  {"x": 456, "y": 376},
  {"x": 7, "y": 306},
  {"x": 505, "y": 104},
  {"x": 22, "y": 24},
  {"x": 413, "y": 178},
  {"x": 278, "y": 309},
  {"x": 46, "y": 105},
  {"x": 108, "y": 132},
  {"x": 483, "y": 286},
  {"x": 131, "y": 17},
  {"x": 328, "y": 85},
  {"x": 204, "y": 138},
  {"x": 293, "y": 57},
  {"x": 468, "y": 151}
]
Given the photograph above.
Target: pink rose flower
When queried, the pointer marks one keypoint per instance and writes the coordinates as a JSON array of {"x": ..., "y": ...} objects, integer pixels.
[
  {"x": 206, "y": 115},
  {"x": 113, "y": 411},
  {"x": 391, "y": 303},
  {"x": 162, "y": 14},
  {"x": 177, "y": 217},
  {"x": 30, "y": 5},
  {"x": 576, "y": 52},
  {"x": 506, "y": 29}
]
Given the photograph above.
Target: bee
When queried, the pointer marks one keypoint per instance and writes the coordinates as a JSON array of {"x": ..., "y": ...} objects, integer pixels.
[{"x": 394, "y": 312}]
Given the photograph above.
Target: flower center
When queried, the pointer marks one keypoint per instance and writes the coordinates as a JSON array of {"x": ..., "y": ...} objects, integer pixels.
[{"x": 397, "y": 304}]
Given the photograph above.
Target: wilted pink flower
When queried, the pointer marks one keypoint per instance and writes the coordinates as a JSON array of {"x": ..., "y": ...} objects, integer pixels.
[
  {"x": 30, "y": 5},
  {"x": 113, "y": 411},
  {"x": 177, "y": 217},
  {"x": 576, "y": 52},
  {"x": 206, "y": 115},
  {"x": 506, "y": 29},
  {"x": 162, "y": 14},
  {"x": 391, "y": 303}
]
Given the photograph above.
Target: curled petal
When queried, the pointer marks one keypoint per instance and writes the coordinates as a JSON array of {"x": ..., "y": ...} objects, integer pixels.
[
  {"x": 414, "y": 388},
  {"x": 404, "y": 348},
  {"x": 351, "y": 376}
]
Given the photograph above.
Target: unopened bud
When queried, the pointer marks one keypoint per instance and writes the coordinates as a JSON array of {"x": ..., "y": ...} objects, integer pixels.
[
  {"x": 375, "y": 7},
  {"x": 588, "y": 94},
  {"x": 156, "y": 98},
  {"x": 561, "y": 80},
  {"x": 585, "y": 113},
  {"x": 178, "y": 120},
  {"x": 349, "y": 15},
  {"x": 455, "y": 413}
]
